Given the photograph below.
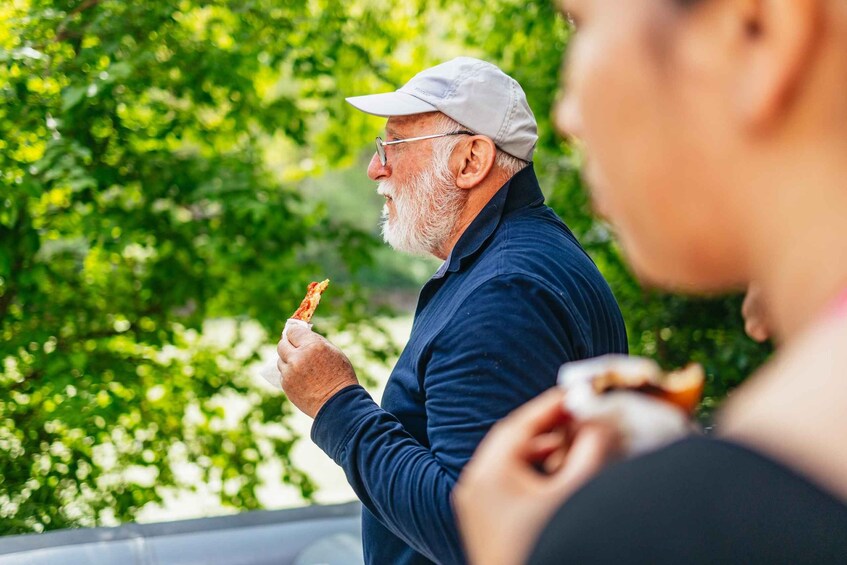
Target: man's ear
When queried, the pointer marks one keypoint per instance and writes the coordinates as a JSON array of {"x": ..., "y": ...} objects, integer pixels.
[
  {"x": 778, "y": 44},
  {"x": 475, "y": 160}
]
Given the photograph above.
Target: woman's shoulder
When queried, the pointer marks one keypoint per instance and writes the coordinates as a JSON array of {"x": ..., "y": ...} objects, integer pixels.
[
  {"x": 699, "y": 500},
  {"x": 793, "y": 409}
]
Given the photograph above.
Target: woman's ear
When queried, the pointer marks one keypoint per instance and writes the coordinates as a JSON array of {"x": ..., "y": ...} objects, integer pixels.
[
  {"x": 475, "y": 161},
  {"x": 779, "y": 38}
]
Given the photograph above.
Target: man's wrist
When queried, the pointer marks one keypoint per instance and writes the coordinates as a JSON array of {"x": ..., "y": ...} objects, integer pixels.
[
  {"x": 339, "y": 417},
  {"x": 329, "y": 396}
]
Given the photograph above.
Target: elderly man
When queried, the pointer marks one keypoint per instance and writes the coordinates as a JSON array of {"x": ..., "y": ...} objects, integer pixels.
[{"x": 515, "y": 298}]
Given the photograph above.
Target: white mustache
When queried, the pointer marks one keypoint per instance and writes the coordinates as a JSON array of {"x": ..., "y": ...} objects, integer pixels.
[{"x": 384, "y": 190}]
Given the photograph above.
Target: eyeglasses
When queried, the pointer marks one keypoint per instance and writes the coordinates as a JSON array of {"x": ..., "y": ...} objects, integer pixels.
[{"x": 380, "y": 144}]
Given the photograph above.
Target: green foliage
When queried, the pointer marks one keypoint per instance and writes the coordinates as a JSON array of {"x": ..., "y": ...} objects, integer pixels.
[
  {"x": 150, "y": 157},
  {"x": 138, "y": 199}
]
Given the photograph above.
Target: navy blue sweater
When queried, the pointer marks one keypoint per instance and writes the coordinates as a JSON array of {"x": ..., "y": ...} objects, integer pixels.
[{"x": 517, "y": 297}]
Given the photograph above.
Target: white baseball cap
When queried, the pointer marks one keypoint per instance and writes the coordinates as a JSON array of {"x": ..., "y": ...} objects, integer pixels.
[{"x": 475, "y": 93}]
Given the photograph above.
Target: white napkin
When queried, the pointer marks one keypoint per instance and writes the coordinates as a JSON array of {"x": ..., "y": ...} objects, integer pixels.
[{"x": 269, "y": 371}]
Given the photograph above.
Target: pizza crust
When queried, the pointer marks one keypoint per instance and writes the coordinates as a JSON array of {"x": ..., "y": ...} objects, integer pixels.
[{"x": 311, "y": 301}]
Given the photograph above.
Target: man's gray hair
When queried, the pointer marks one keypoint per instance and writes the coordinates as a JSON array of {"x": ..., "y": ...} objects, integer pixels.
[{"x": 509, "y": 164}]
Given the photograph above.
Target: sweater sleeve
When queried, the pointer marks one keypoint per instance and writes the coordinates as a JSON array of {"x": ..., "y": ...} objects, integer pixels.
[{"x": 502, "y": 346}]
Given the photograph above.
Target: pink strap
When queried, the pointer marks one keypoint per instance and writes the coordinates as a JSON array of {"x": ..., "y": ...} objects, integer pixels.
[{"x": 839, "y": 307}]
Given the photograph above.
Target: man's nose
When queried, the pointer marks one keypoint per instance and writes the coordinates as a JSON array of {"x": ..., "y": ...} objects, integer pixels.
[{"x": 376, "y": 170}]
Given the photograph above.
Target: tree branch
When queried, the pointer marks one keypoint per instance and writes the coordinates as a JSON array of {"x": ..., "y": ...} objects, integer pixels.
[
  {"x": 62, "y": 32},
  {"x": 5, "y": 302}
]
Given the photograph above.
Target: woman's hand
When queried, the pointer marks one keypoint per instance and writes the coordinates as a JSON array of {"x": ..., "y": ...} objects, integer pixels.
[{"x": 521, "y": 473}]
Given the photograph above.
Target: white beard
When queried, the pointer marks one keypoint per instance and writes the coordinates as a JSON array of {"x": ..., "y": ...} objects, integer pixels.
[{"x": 426, "y": 210}]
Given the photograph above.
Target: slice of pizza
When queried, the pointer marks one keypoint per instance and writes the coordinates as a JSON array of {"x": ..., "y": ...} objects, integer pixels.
[
  {"x": 311, "y": 301},
  {"x": 682, "y": 388},
  {"x": 648, "y": 407}
]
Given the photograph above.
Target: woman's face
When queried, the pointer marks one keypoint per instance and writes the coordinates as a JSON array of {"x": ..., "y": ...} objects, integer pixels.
[{"x": 644, "y": 96}]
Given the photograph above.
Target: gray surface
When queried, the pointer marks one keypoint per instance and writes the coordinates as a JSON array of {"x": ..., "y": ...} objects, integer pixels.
[{"x": 304, "y": 536}]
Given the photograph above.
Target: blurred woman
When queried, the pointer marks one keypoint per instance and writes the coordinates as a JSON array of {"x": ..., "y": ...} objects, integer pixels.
[{"x": 716, "y": 142}]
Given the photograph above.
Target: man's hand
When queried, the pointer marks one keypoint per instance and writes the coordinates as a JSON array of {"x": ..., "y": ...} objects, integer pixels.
[
  {"x": 756, "y": 323},
  {"x": 313, "y": 370},
  {"x": 503, "y": 499}
]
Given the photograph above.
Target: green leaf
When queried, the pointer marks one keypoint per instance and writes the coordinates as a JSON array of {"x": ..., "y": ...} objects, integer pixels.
[{"x": 71, "y": 96}]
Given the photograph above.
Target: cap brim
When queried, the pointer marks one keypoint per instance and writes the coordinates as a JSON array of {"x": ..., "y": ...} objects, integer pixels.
[{"x": 391, "y": 104}]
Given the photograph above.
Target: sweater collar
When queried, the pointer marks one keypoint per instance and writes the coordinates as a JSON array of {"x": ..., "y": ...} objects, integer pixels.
[{"x": 520, "y": 191}]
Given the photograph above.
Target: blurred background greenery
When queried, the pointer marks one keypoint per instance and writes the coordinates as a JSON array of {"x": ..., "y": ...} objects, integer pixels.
[{"x": 167, "y": 163}]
